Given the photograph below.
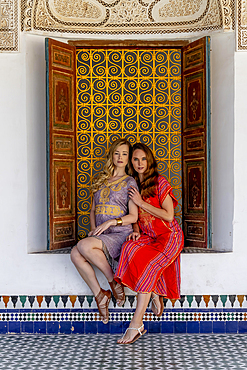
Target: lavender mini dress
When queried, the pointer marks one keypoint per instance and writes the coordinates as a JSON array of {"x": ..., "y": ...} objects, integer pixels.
[{"x": 111, "y": 201}]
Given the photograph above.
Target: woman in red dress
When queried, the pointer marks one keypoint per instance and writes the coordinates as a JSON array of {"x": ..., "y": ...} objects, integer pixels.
[{"x": 149, "y": 263}]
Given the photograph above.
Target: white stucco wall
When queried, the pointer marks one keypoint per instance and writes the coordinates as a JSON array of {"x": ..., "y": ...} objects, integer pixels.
[{"x": 23, "y": 179}]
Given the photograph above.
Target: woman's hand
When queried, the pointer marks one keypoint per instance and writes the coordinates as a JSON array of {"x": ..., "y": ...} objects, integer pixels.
[
  {"x": 91, "y": 232},
  {"x": 135, "y": 196},
  {"x": 101, "y": 228},
  {"x": 133, "y": 236}
]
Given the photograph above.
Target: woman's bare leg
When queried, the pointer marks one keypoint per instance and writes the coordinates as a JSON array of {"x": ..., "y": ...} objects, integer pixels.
[
  {"x": 136, "y": 322},
  {"x": 156, "y": 305},
  {"x": 89, "y": 251}
]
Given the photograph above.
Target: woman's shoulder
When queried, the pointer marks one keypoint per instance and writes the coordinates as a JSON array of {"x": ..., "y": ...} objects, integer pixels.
[
  {"x": 131, "y": 181},
  {"x": 162, "y": 182}
]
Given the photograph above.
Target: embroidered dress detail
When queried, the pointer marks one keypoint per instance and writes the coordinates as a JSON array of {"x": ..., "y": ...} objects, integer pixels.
[
  {"x": 111, "y": 201},
  {"x": 152, "y": 263}
]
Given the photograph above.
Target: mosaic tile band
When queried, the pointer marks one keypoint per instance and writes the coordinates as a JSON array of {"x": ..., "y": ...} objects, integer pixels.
[
  {"x": 71, "y": 314},
  {"x": 13, "y": 302}
]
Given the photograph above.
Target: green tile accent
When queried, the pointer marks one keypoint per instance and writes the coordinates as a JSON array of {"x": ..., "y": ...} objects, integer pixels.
[
  {"x": 56, "y": 299},
  {"x": 223, "y": 299},
  {"x": 190, "y": 299},
  {"x": 90, "y": 299},
  {"x": 23, "y": 299}
]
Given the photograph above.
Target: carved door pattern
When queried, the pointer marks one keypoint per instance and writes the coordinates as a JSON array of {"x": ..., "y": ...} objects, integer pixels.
[
  {"x": 61, "y": 145},
  {"x": 196, "y": 144}
]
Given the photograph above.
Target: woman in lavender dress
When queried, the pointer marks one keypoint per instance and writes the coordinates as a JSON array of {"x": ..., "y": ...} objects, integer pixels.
[{"x": 111, "y": 217}]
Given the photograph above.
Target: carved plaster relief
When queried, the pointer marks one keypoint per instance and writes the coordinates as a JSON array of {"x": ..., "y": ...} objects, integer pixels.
[
  {"x": 119, "y": 17},
  {"x": 242, "y": 25},
  {"x": 8, "y": 25},
  {"x": 180, "y": 9},
  {"x": 77, "y": 11},
  {"x": 126, "y": 16}
]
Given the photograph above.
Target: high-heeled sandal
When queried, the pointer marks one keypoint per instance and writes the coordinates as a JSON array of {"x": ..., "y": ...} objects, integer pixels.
[
  {"x": 118, "y": 292},
  {"x": 103, "y": 307},
  {"x": 161, "y": 306}
]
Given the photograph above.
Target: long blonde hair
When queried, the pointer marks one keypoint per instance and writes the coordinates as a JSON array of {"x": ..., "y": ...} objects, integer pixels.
[{"x": 108, "y": 168}]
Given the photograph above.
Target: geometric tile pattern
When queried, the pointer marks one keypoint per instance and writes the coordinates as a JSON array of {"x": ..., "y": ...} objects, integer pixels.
[
  {"x": 232, "y": 301},
  {"x": 78, "y": 314},
  {"x": 152, "y": 352}
]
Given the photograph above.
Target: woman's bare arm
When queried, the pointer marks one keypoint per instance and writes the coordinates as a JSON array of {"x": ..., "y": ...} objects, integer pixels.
[
  {"x": 166, "y": 213},
  {"x": 92, "y": 216},
  {"x": 130, "y": 218}
]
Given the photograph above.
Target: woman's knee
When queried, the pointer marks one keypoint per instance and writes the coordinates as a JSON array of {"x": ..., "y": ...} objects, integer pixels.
[{"x": 75, "y": 255}]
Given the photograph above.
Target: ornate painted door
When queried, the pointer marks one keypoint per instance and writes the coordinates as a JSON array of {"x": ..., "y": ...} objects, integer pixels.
[
  {"x": 61, "y": 145},
  {"x": 196, "y": 144}
]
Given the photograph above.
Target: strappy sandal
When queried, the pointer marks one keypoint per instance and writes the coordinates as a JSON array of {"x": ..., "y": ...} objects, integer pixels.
[
  {"x": 103, "y": 307},
  {"x": 161, "y": 306},
  {"x": 118, "y": 292},
  {"x": 140, "y": 334}
]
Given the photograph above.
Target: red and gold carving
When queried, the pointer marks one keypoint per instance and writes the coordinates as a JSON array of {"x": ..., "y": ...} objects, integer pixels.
[
  {"x": 194, "y": 230},
  {"x": 193, "y": 58},
  {"x": 62, "y": 58},
  {"x": 194, "y": 196},
  {"x": 64, "y": 231},
  {"x": 195, "y": 188},
  {"x": 63, "y": 198},
  {"x": 63, "y": 144},
  {"x": 62, "y": 101},
  {"x": 194, "y": 144},
  {"x": 194, "y": 101}
]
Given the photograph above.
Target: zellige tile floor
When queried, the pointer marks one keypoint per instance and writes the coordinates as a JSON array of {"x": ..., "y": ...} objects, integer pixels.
[{"x": 96, "y": 352}]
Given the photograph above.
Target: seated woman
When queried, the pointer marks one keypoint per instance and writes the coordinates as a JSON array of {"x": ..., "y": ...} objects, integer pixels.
[
  {"x": 149, "y": 262},
  {"x": 111, "y": 217}
]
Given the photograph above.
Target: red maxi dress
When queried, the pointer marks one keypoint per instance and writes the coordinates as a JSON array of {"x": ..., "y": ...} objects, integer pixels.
[{"x": 152, "y": 263}]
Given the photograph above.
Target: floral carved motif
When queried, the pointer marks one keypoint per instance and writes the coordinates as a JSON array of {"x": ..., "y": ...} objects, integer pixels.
[
  {"x": 129, "y": 11},
  {"x": 180, "y": 8},
  {"x": 63, "y": 190},
  {"x": 77, "y": 9},
  {"x": 194, "y": 104},
  {"x": 8, "y": 25}
]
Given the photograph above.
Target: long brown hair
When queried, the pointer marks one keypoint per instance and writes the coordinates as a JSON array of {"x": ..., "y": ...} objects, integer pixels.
[
  {"x": 148, "y": 186},
  {"x": 108, "y": 168}
]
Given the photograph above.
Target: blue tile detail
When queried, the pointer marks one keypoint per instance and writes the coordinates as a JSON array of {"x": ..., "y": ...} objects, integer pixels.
[
  {"x": 27, "y": 327},
  {"x": 65, "y": 327},
  {"x": 167, "y": 327},
  {"x": 219, "y": 327},
  {"x": 39, "y": 327},
  {"x": 206, "y": 327},
  {"x": 193, "y": 327},
  {"x": 3, "y": 327},
  {"x": 14, "y": 327},
  {"x": 154, "y": 326},
  {"x": 232, "y": 327},
  {"x": 126, "y": 325},
  {"x": 103, "y": 328},
  {"x": 116, "y": 327},
  {"x": 52, "y": 327},
  {"x": 242, "y": 327},
  {"x": 91, "y": 327},
  {"x": 77, "y": 327},
  {"x": 179, "y": 327}
]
